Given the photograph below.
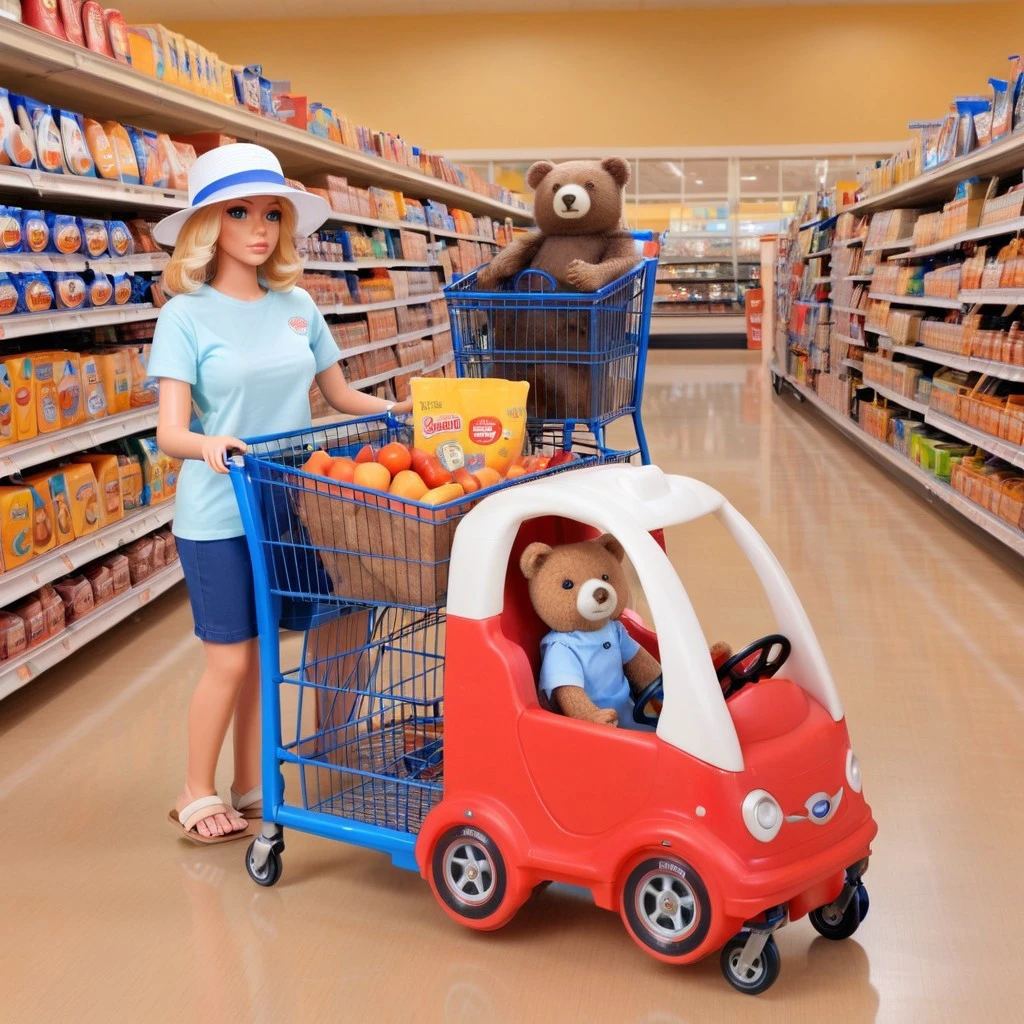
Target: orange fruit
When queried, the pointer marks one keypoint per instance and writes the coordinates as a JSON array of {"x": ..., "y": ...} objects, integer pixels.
[
  {"x": 467, "y": 481},
  {"x": 365, "y": 454},
  {"x": 419, "y": 458},
  {"x": 318, "y": 463},
  {"x": 434, "y": 474},
  {"x": 343, "y": 470},
  {"x": 441, "y": 495},
  {"x": 408, "y": 485},
  {"x": 514, "y": 471},
  {"x": 395, "y": 458},
  {"x": 488, "y": 477},
  {"x": 372, "y": 475}
]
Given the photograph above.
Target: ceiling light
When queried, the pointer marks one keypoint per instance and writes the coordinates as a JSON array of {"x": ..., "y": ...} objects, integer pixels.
[
  {"x": 674, "y": 169},
  {"x": 749, "y": 177},
  {"x": 700, "y": 181}
]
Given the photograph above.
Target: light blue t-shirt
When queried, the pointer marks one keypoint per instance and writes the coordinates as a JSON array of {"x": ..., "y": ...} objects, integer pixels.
[
  {"x": 250, "y": 365},
  {"x": 592, "y": 660}
]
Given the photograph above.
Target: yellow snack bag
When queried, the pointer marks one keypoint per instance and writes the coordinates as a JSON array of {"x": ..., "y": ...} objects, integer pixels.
[{"x": 470, "y": 422}]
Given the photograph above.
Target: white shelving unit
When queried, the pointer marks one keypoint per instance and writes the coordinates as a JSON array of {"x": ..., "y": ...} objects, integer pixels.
[
  {"x": 903, "y": 243},
  {"x": 1006, "y": 227},
  {"x": 1000, "y": 296},
  {"x": 895, "y": 396},
  {"x": 31, "y": 324},
  {"x": 141, "y": 262},
  {"x": 371, "y": 264},
  {"x": 20, "y": 671},
  {"x": 928, "y": 301},
  {"x": 343, "y": 309},
  {"x": 1011, "y": 453},
  {"x": 987, "y": 366}
]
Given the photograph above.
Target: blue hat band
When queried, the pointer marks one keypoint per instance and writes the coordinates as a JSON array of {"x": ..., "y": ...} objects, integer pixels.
[{"x": 241, "y": 178}]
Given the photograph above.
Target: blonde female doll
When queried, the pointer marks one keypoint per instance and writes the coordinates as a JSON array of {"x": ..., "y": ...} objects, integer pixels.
[{"x": 243, "y": 344}]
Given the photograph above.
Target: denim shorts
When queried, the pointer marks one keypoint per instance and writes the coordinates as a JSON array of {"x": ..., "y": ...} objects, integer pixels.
[{"x": 218, "y": 574}]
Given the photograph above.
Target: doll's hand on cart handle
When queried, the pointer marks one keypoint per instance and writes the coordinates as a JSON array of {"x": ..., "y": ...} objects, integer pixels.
[{"x": 217, "y": 450}]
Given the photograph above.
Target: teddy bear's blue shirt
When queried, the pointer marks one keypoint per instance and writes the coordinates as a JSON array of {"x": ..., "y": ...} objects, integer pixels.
[{"x": 592, "y": 660}]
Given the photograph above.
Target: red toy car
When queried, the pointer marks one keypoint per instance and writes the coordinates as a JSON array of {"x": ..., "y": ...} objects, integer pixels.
[{"x": 741, "y": 811}]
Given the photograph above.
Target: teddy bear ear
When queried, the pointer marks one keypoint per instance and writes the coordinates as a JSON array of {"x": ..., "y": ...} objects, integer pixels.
[
  {"x": 533, "y": 558},
  {"x": 538, "y": 172},
  {"x": 618, "y": 168},
  {"x": 611, "y": 545}
]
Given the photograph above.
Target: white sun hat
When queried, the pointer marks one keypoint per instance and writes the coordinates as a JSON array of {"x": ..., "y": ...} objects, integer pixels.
[{"x": 238, "y": 171}]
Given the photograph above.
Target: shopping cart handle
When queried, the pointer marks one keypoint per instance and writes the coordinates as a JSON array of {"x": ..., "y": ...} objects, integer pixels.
[
  {"x": 542, "y": 274},
  {"x": 642, "y": 236}
]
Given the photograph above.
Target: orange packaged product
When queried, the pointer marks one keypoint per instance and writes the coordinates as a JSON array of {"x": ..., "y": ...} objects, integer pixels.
[
  {"x": 52, "y": 490},
  {"x": 101, "y": 150},
  {"x": 117, "y": 35},
  {"x": 46, "y": 398},
  {"x": 177, "y": 173},
  {"x": 30, "y": 611},
  {"x": 67, "y": 374},
  {"x": 470, "y": 422},
  {"x": 115, "y": 373},
  {"x": 8, "y": 427},
  {"x": 83, "y": 493},
  {"x": 16, "y": 508},
  {"x": 124, "y": 152},
  {"x": 44, "y": 528},
  {"x": 108, "y": 480}
]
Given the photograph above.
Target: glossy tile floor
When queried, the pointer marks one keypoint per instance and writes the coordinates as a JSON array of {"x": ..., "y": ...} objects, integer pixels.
[{"x": 107, "y": 916}]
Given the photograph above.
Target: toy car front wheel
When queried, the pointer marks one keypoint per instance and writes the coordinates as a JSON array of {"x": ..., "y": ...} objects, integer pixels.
[
  {"x": 832, "y": 924},
  {"x": 469, "y": 874},
  {"x": 666, "y": 907},
  {"x": 762, "y": 972}
]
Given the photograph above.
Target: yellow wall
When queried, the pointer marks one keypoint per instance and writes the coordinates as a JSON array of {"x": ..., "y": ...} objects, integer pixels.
[{"x": 692, "y": 77}]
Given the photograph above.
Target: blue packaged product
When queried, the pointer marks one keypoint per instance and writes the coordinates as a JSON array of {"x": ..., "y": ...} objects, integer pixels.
[
  {"x": 8, "y": 294},
  {"x": 35, "y": 293},
  {"x": 101, "y": 291},
  {"x": 157, "y": 171},
  {"x": 18, "y": 143},
  {"x": 122, "y": 289},
  {"x": 140, "y": 288},
  {"x": 77, "y": 157},
  {"x": 70, "y": 290},
  {"x": 141, "y": 155},
  {"x": 10, "y": 229},
  {"x": 35, "y": 232},
  {"x": 95, "y": 242},
  {"x": 120, "y": 238},
  {"x": 49, "y": 148},
  {"x": 65, "y": 233}
]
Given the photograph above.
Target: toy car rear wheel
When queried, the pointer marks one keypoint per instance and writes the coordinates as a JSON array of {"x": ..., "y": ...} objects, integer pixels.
[
  {"x": 469, "y": 873},
  {"x": 827, "y": 920},
  {"x": 665, "y": 906},
  {"x": 760, "y": 975}
]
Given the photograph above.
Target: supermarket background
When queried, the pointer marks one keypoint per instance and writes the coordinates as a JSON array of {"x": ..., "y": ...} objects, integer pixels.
[{"x": 893, "y": 493}]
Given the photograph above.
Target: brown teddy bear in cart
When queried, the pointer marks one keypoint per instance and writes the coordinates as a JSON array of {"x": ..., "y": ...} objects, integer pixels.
[{"x": 580, "y": 243}]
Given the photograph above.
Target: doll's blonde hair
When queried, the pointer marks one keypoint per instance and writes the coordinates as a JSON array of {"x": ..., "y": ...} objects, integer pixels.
[{"x": 194, "y": 260}]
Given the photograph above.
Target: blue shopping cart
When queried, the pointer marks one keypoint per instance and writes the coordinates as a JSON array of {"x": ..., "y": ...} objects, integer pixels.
[
  {"x": 584, "y": 354},
  {"x": 353, "y": 701}
]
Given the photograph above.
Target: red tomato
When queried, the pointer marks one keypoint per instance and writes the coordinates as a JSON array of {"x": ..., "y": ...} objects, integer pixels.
[
  {"x": 395, "y": 458},
  {"x": 434, "y": 474},
  {"x": 467, "y": 480},
  {"x": 365, "y": 454}
]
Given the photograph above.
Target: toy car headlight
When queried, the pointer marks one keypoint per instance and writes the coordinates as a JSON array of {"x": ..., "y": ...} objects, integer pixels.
[
  {"x": 853, "y": 771},
  {"x": 762, "y": 815}
]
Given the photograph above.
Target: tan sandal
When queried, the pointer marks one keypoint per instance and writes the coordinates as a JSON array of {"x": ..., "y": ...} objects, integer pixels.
[
  {"x": 249, "y": 806},
  {"x": 197, "y": 811}
]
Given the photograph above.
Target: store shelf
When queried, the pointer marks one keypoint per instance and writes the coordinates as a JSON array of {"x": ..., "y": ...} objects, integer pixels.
[
  {"x": 1006, "y": 227},
  {"x": 822, "y": 280},
  {"x": 20, "y": 671},
  {"x": 936, "y": 488},
  {"x": 810, "y": 302},
  {"x": 73, "y": 77},
  {"x": 147, "y": 262},
  {"x": 380, "y": 378},
  {"x": 845, "y": 243},
  {"x": 937, "y": 185},
  {"x": 843, "y": 339},
  {"x": 370, "y": 264},
  {"x": 348, "y": 309},
  {"x": 73, "y": 320},
  {"x": 874, "y": 329},
  {"x": 444, "y": 233},
  {"x": 903, "y": 243},
  {"x": 1012, "y": 453},
  {"x": 1001, "y": 296},
  {"x": 26, "y": 454},
  {"x": 854, "y": 364},
  {"x": 929, "y": 301},
  {"x": 895, "y": 396},
  {"x": 819, "y": 255},
  {"x": 18, "y": 583},
  {"x": 849, "y": 309},
  {"x": 448, "y": 357},
  {"x": 854, "y": 277},
  {"x": 398, "y": 339},
  {"x": 987, "y": 366},
  {"x": 45, "y": 187}
]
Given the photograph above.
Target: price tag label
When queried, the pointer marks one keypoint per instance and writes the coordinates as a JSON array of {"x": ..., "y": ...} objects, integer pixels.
[
  {"x": 7, "y": 466},
  {"x": 25, "y": 673},
  {"x": 145, "y": 596},
  {"x": 67, "y": 562},
  {"x": 101, "y": 544}
]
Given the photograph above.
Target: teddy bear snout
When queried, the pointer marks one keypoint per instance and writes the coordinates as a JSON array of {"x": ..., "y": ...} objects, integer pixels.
[
  {"x": 572, "y": 201},
  {"x": 596, "y": 600}
]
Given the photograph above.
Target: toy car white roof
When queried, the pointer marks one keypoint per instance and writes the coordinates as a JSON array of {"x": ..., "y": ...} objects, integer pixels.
[{"x": 629, "y": 502}]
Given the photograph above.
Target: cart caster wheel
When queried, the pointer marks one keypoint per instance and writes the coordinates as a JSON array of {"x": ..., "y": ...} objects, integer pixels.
[
  {"x": 827, "y": 920},
  {"x": 760, "y": 975},
  {"x": 270, "y": 871},
  {"x": 777, "y": 383}
]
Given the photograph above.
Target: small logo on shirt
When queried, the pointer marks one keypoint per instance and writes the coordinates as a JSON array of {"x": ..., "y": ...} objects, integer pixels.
[{"x": 299, "y": 324}]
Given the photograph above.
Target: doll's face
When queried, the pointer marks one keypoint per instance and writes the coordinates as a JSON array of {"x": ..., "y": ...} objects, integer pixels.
[{"x": 250, "y": 228}]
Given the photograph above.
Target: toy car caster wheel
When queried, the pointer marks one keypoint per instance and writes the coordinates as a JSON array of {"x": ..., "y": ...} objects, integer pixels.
[
  {"x": 834, "y": 924},
  {"x": 777, "y": 383},
  {"x": 665, "y": 906},
  {"x": 264, "y": 866},
  {"x": 469, "y": 872},
  {"x": 757, "y": 976}
]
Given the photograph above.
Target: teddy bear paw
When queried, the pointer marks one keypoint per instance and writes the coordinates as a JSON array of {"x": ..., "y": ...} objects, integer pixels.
[
  {"x": 582, "y": 276},
  {"x": 720, "y": 652},
  {"x": 487, "y": 278},
  {"x": 606, "y": 716}
]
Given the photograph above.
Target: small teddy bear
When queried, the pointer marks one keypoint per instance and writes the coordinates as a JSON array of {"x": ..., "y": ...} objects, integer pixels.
[{"x": 591, "y": 667}]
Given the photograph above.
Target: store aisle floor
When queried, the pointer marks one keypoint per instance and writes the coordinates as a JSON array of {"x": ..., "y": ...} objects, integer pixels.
[{"x": 108, "y": 916}]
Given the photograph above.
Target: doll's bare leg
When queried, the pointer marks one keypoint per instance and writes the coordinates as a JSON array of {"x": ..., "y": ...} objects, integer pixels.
[
  {"x": 573, "y": 702},
  {"x": 246, "y": 732},
  {"x": 209, "y": 714}
]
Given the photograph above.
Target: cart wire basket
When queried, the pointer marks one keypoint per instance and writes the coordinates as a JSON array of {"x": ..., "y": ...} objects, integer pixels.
[{"x": 583, "y": 354}]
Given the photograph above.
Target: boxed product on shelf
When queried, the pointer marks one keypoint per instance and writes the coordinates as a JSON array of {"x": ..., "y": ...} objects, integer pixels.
[
  {"x": 140, "y": 560},
  {"x": 903, "y": 325},
  {"x": 943, "y": 282},
  {"x": 13, "y": 641},
  {"x": 101, "y": 579},
  {"x": 120, "y": 572},
  {"x": 990, "y": 484},
  {"x": 30, "y": 611},
  {"x": 946, "y": 337},
  {"x": 1008, "y": 206},
  {"x": 902, "y": 378},
  {"x": 108, "y": 480},
  {"x": 76, "y": 593},
  {"x": 51, "y": 489},
  {"x": 891, "y": 226},
  {"x": 83, "y": 494},
  {"x": 17, "y": 506},
  {"x": 381, "y": 324}
]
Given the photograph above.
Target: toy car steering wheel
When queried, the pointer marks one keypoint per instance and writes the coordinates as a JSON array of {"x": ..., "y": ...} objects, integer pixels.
[
  {"x": 763, "y": 666},
  {"x": 654, "y": 690}
]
